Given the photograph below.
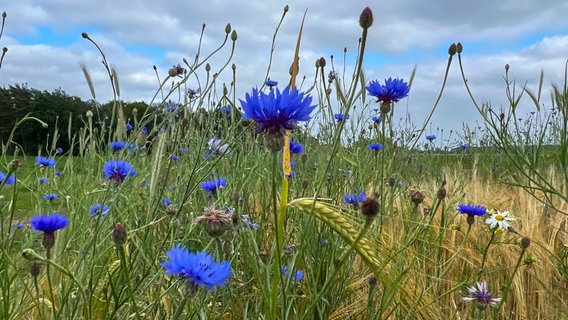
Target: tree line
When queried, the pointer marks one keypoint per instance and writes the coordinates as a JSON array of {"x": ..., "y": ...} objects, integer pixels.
[{"x": 58, "y": 110}]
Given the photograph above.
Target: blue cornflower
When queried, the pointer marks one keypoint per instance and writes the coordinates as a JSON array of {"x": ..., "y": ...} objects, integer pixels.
[
  {"x": 340, "y": 117},
  {"x": 296, "y": 277},
  {"x": 199, "y": 268},
  {"x": 471, "y": 209},
  {"x": 271, "y": 83},
  {"x": 117, "y": 145},
  {"x": 212, "y": 186},
  {"x": 376, "y": 146},
  {"x": 58, "y": 173},
  {"x": 351, "y": 198},
  {"x": 59, "y": 150},
  {"x": 392, "y": 91},
  {"x": 167, "y": 202},
  {"x": 98, "y": 208},
  {"x": 277, "y": 112},
  {"x": 49, "y": 224},
  {"x": 43, "y": 180},
  {"x": 296, "y": 147},
  {"x": 376, "y": 119},
  {"x": 171, "y": 107},
  {"x": 50, "y": 196},
  {"x": 10, "y": 179},
  {"x": 18, "y": 225},
  {"x": 480, "y": 294},
  {"x": 226, "y": 110},
  {"x": 128, "y": 126},
  {"x": 174, "y": 157},
  {"x": 118, "y": 170},
  {"x": 248, "y": 223},
  {"x": 192, "y": 93},
  {"x": 431, "y": 137},
  {"x": 45, "y": 162},
  {"x": 464, "y": 146}
]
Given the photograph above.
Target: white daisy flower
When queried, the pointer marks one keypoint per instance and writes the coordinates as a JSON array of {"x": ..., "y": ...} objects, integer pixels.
[{"x": 499, "y": 220}]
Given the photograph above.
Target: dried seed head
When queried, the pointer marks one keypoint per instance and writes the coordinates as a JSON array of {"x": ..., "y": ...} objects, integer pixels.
[{"x": 215, "y": 221}]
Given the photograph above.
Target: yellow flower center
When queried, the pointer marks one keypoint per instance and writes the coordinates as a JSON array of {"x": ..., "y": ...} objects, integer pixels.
[{"x": 499, "y": 217}]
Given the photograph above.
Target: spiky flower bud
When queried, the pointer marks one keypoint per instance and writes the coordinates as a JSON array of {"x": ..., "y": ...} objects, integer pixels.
[
  {"x": 370, "y": 207},
  {"x": 366, "y": 18},
  {"x": 119, "y": 235},
  {"x": 416, "y": 196},
  {"x": 452, "y": 49}
]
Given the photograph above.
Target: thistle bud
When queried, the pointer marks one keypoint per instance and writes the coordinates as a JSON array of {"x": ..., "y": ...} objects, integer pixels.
[
  {"x": 366, "y": 18},
  {"x": 119, "y": 235},
  {"x": 452, "y": 49}
]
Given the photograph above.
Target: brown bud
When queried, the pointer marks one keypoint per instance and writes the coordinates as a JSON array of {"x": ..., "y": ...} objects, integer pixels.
[
  {"x": 286, "y": 8},
  {"x": 4, "y": 15},
  {"x": 459, "y": 48},
  {"x": 35, "y": 269},
  {"x": 4, "y": 49},
  {"x": 119, "y": 235},
  {"x": 366, "y": 18},
  {"x": 208, "y": 67},
  {"x": 452, "y": 49},
  {"x": 372, "y": 281},
  {"x": 234, "y": 35},
  {"x": 322, "y": 62},
  {"x": 441, "y": 194},
  {"x": 14, "y": 165},
  {"x": 228, "y": 28},
  {"x": 85, "y": 35},
  {"x": 391, "y": 181},
  {"x": 234, "y": 67},
  {"x": 416, "y": 196},
  {"x": 507, "y": 67},
  {"x": 172, "y": 72},
  {"x": 385, "y": 107},
  {"x": 305, "y": 184},
  {"x": 370, "y": 207},
  {"x": 525, "y": 242},
  {"x": 470, "y": 219}
]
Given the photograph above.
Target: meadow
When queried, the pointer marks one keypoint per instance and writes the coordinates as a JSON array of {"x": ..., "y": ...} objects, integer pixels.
[{"x": 306, "y": 203}]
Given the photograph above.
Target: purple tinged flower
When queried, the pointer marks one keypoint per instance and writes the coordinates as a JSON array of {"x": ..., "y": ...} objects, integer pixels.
[
  {"x": 171, "y": 107},
  {"x": 431, "y": 137},
  {"x": 392, "y": 91},
  {"x": 212, "y": 186},
  {"x": 294, "y": 277},
  {"x": 464, "y": 146},
  {"x": 44, "y": 162},
  {"x": 42, "y": 180},
  {"x": 376, "y": 119},
  {"x": 118, "y": 170},
  {"x": 340, "y": 117},
  {"x": 50, "y": 196},
  {"x": 128, "y": 127},
  {"x": 296, "y": 147},
  {"x": 248, "y": 223},
  {"x": 193, "y": 93},
  {"x": 199, "y": 268},
  {"x": 226, "y": 110},
  {"x": 58, "y": 173},
  {"x": 215, "y": 148},
  {"x": 117, "y": 145},
  {"x": 174, "y": 157},
  {"x": 167, "y": 202},
  {"x": 59, "y": 150},
  {"x": 376, "y": 146},
  {"x": 19, "y": 225},
  {"x": 98, "y": 208},
  {"x": 10, "y": 180},
  {"x": 277, "y": 111},
  {"x": 480, "y": 294}
]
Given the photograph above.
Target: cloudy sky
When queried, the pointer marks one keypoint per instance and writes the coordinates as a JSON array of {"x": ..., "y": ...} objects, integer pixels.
[{"x": 46, "y": 47}]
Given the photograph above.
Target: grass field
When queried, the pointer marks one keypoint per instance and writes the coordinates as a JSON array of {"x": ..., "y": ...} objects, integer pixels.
[{"x": 205, "y": 217}]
